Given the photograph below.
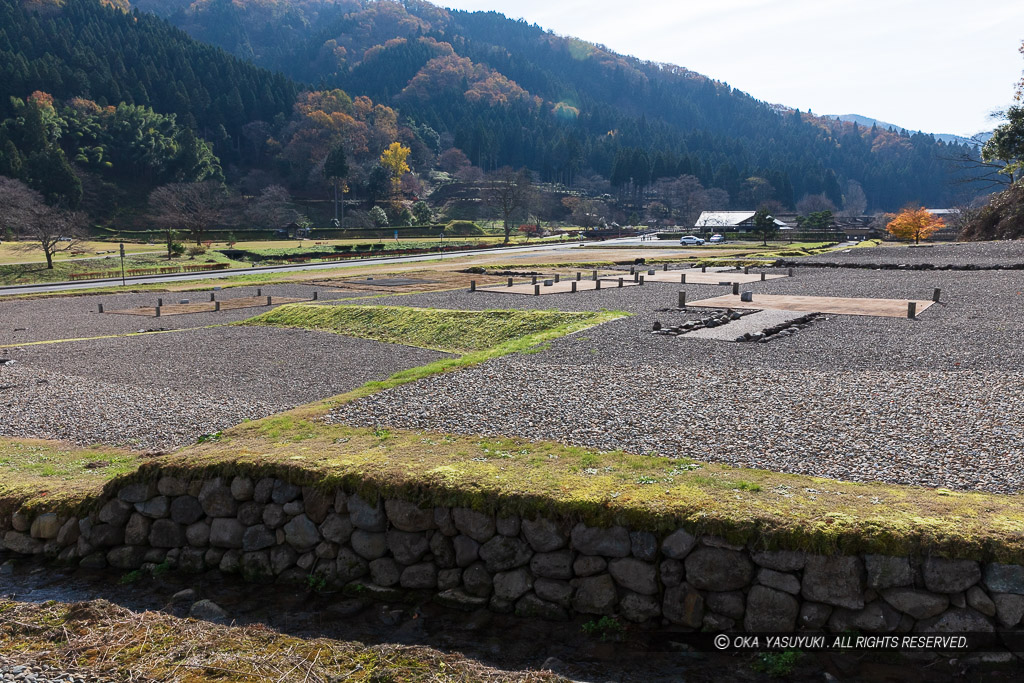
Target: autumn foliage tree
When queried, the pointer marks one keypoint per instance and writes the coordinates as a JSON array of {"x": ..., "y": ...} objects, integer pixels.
[
  {"x": 914, "y": 224},
  {"x": 395, "y": 160}
]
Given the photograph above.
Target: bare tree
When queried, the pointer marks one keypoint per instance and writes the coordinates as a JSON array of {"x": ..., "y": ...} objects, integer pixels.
[
  {"x": 191, "y": 207},
  {"x": 855, "y": 202},
  {"x": 509, "y": 191},
  {"x": 272, "y": 208},
  {"x": 50, "y": 229},
  {"x": 813, "y": 203}
]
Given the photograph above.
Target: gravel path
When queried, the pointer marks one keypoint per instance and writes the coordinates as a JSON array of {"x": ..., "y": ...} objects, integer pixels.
[
  {"x": 162, "y": 391},
  {"x": 72, "y": 317},
  {"x": 1003, "y": 253},
  {"x": 11, "y": 670},
  {"x": 935, "y": 401}
]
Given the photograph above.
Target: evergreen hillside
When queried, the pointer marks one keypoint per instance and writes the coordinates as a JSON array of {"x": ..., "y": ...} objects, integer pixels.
[
  {"x": 509, "y": 93},
  {"x": 82, "y": 48}
]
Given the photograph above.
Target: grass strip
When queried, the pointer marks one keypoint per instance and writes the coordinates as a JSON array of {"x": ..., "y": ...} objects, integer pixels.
[
  {"x": 453, "y": 331},
  {"x": 110, "y": 641}
]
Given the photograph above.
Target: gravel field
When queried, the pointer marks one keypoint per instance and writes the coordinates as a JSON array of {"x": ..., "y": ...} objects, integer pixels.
[
  {"x": 936, "y": 401},
  {"x": 162, "y": 391},
  {"x": 1003, "y": 253},
  {"x": 72, "y": 317}
]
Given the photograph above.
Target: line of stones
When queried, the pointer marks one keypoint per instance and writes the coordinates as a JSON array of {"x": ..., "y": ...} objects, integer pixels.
[{"x": 272, "y": 530}]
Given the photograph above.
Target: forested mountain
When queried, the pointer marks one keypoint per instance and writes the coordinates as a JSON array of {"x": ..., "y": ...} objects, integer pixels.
[
  {"x": 509, "y": 93},
  {"x": 82, "y": 48}
]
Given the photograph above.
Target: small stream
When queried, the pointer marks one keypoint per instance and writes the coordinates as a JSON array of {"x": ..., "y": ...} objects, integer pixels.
[{"x": 503, "y": 641}]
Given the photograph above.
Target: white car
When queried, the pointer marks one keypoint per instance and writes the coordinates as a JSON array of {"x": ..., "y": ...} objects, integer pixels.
[
  {"x": 690, "y": 239},
  {"x": 717, "y": 239}
]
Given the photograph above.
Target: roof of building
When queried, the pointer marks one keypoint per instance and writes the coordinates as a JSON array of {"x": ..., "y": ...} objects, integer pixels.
[{"x": 727, "y": 219}]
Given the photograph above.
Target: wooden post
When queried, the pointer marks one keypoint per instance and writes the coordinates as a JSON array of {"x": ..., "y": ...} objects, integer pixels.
[
  {"x": 597, "y": 285},
  {"x": 632, "y": 270},
  {"x": 703, "y": 269},
  {"x": 664, "y": 268},
  {"x": 735, "y": 288},
  {"x": 574, "y": 285},
  {"x": 595, "y": 275},
  {"x": 510, "y": 282},
  {"x": 682, "y": 279},
  {"x": 579, "y": 276},
  {"x": 158, "y": 311},
  {"x": 746, "y": 270},
  {"x": 558, "y": 278},
  {"x": 472, "y": 285},
  {"x": 764, "y": 277},
  {"x": 682, "y": 299},
  {"x": 534, "y": 281},
  {"x": 620, "y": 282},
  {"x": 935, "y": 295},
  {"x": 790, "y": 272},
  {"x": 268, "y": 300},
  {"x": 213, "y": 297},
  {"x": 641, "y": 279},
  {"x": 912, "y": 309},
  {"x": 216, "y": 305},
  {"x": 316, "y": 295},
  {"x": 536, "y": 290},
  {"x": 159, "y": 303},
  {"x": 259, "y": 292},
  {"x": 101, "y": 308}
]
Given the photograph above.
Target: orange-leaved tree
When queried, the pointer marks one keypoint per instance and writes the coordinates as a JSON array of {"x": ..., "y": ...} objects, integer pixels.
[{"x": 914, "y": 224}]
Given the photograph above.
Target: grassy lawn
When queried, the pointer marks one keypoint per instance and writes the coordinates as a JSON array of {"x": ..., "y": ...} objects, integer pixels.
[
  {"x": 56, "y": 472},
  {"x": 453, "y": 331},
  {"x": 38, "y": 273},
  {"x": 87, "y": 250}
]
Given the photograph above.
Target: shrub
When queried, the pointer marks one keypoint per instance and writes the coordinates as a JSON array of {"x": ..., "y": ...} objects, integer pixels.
[
  {"x": 364, "y": 247},
  {"x": 177, "y": 248},
  {"x": 196, "y": 250},
  {"x": 463, "y": 228},
  {"x": 343, "y": 247},
  {"x": 378, "y": 247}
]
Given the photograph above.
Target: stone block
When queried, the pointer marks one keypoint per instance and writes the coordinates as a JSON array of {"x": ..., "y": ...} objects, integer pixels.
[
  {"x": 837, "y": 580},
  {"x": 406, "y": 516},
  {"x": 718, "y": 569},
  {"x": 595, "y": 594},
  {"x": 770, "y": 610},
  {"x": 611, "y": 542},
  {"x": 544, "y": 535},
  {"x": 477, "y": 525}
]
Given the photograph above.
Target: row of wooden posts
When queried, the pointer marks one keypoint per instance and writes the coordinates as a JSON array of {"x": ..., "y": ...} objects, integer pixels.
[
  {"x": 213, "y": 300},
  {"x": 911, "y": 305}
]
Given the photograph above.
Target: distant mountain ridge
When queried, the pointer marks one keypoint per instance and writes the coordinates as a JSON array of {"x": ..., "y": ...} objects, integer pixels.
[{"x": 949, "y": 138}]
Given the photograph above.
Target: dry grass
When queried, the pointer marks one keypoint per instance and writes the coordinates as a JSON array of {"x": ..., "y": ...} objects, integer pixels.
[{"x": 104, "y": 639}]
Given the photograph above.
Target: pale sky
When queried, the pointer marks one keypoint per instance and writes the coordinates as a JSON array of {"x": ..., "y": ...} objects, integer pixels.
[{"x": 940, "y": 66}]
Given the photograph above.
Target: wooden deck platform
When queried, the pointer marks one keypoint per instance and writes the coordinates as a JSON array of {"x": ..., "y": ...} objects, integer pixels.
[{"x": 889, "y": 308}]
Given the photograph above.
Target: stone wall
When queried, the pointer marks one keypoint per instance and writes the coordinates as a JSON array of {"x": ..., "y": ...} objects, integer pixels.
[{"x": 271, "y": 530}]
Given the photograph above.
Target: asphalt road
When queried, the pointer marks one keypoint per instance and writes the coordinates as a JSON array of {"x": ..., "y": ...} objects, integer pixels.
[{"x": 219, "y": 274}]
